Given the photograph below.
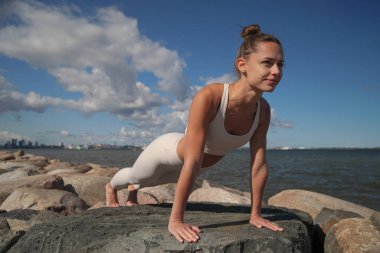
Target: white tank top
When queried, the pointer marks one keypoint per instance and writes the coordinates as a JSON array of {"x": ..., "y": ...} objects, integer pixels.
[{"x": 218, "y": 140}]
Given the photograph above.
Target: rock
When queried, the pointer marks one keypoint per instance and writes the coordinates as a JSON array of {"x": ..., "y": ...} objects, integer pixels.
[
  {"x": 19, "y": 154},
  {"x": 219, "y": 194},
  {"x": 144, "y": 229},
  {"x": 18, "y": 173},
  {"x": 83, "y": 168},
  {"x": 8, "y": 238},
  {"x": 90, "y": 188},
  {"x": 324, "y": 221},
  {"x": 375, "y": 218},
  {"x": 5, "y": 156},
  {"x": 58, "y": 165},
  {"x": 312, "y": 203},
  {"x": 24, "y": 219},
  {"x": 102, "y": 171},
  {"x": 14, "y": 165},
  {"x": 62, "y": 171},
  {"x": 162, "y": 193},
  {"x": 42, "y": 199},
  {"x": 328, "y": 217},
  {"x": 4, "y": 224},
  {"x": 39, "y": 161},
  {"x": 351, "y": 236},
  {"x": 143, "y": 198},
  {"x": 37, "y": 181}
]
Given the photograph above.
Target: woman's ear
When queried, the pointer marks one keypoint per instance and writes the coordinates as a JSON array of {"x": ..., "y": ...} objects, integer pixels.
[{"x": 240, "y": 64}]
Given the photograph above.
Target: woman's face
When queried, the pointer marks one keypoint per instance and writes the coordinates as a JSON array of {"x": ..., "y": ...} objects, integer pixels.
[{"x": 263, "y": 68}]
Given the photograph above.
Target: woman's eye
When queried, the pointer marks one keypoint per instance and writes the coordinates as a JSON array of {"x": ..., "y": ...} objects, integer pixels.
[{"x": 267, "y": 63}]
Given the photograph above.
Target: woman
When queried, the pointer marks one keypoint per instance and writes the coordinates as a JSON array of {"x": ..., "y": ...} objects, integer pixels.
[{"x": 222, "y": 117}]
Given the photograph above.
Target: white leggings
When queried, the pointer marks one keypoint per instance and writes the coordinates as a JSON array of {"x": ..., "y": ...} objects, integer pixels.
[{"x": 157, "y": 164}]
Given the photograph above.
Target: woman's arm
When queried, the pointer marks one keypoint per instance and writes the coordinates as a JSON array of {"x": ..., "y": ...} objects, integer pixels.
[
  {"x": 259, "y": 169},
  {"x": 199, "y": 116}
]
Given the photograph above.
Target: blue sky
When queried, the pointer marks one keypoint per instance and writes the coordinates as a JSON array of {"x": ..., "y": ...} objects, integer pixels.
[{"x": 124, "y": 72}]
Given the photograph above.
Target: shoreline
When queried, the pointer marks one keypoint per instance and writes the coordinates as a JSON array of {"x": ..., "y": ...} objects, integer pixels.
[{"x": 60, "y": 192}]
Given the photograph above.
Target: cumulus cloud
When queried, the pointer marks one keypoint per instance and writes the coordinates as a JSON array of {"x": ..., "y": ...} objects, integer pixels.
[
  {"x": 98, "y": 56},
  {"x": 226, "y": 78},
  {"x": 276, "y": 122}
]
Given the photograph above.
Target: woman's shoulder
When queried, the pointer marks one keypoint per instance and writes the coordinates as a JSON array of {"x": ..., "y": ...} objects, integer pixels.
[
  {"x": 214, "y": 90},
  {"x": 210, "y": 96}
]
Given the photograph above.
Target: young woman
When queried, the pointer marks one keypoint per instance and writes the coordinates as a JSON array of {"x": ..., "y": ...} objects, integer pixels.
[{"x": 222, "y": 117}]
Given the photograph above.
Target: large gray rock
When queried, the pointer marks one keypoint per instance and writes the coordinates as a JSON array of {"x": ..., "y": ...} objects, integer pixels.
[
  {"x": 8, "y": 238},
  {"x": 312, "y": 203},
  {"x": 42, "y": 199},
  {"x": 144, "y": 229},
  {"x": 213, "y": 193},
  {"x": 4, "y": 156},
  {"x": 56, "y": 165},
  {"x": 24, "y": 219},
  {"x": 102, "y": 171},
  {"x": 90, "y": 188},
  {"x": 14, "y": 224},
  {"x": 8, "y": 166},
  {"x": 37, "y": 181},
  {"x": 352, "y": 236}
]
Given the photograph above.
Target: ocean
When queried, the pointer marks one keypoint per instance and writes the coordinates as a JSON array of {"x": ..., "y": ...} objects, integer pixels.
[{"x": 348, "y": 174}]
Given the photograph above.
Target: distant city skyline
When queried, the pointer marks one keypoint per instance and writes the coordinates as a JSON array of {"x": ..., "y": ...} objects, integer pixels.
[{"x": 91, "y": 72}]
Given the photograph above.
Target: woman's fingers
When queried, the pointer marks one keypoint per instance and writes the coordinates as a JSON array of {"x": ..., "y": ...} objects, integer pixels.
[
  {"x": 261, "y": 222},
  {"x": 185, "y": 232},
  {"x": 196, "y": 229}
]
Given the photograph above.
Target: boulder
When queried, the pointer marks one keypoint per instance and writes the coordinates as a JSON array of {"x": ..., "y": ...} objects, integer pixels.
[
  {"x": 329, "y": 217},
  {"x": 19, "y": 153},
  {"x": 312, "y": 203},
  {"x": 5, "y": 156},
  {"x": 144, "y": 229},
  {"x": 37, "y": 181},
  {"x": 42, "y": 199},
  {"x": 351, "y": 236},
  {"x": 8, "y": 238},
  {"x": 214, "y": 193},
  {"x": 90, "y": 188},
  {"x": 102, "y": 171},
  {"x": 58, "y": 165},
  {"x": 375, "y": 218},
  {"x": 324, "y": 221},
  {"x": 24, "y": 219},
  {"x": 162, "y": 193},
  {"x": 14, "y": 165},
  {"x": 39, "y": 161},
  {"x": 62, "y": 171},
  {"x": 16, "y": 174}
]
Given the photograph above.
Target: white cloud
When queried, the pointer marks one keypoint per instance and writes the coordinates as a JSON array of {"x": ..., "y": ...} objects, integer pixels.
[
  {"x": 98, "y": 56},
  {"x": 226, "y": 78},
  {"x": 276, "y": 122}
]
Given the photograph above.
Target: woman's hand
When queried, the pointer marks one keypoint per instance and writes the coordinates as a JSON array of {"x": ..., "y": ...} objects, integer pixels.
[
  {"x": 260, "y": 222},
  {"x": 182, "y": 231}
]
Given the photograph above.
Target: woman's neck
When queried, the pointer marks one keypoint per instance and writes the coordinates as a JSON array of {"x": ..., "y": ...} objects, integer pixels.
[{"x": 241, "y": 93}]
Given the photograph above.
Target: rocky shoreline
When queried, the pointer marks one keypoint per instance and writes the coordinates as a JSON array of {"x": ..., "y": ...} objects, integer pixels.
[{"x": 56, "y": 206}]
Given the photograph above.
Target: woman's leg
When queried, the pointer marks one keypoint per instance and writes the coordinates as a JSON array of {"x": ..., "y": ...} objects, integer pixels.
[{"x": 157, "y": 164}]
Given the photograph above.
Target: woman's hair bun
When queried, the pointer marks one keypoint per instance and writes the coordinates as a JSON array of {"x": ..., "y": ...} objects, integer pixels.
[{"x": 250, "y": 31}]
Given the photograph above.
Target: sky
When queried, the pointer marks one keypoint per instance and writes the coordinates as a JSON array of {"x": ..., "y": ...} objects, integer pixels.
[{"x": 124, "y": 72}]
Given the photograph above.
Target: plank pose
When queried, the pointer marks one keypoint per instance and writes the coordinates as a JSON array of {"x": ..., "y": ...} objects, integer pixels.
[{"x": 222, "y": 117}]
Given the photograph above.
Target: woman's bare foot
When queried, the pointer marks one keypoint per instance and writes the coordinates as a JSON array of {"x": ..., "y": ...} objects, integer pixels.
[
  {"x": 111, "y": 196},
  {"x": 132, "y": 196}
]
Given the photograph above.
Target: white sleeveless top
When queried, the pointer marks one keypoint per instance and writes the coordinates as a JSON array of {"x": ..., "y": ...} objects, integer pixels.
[{"x": 218, "y": 140}]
